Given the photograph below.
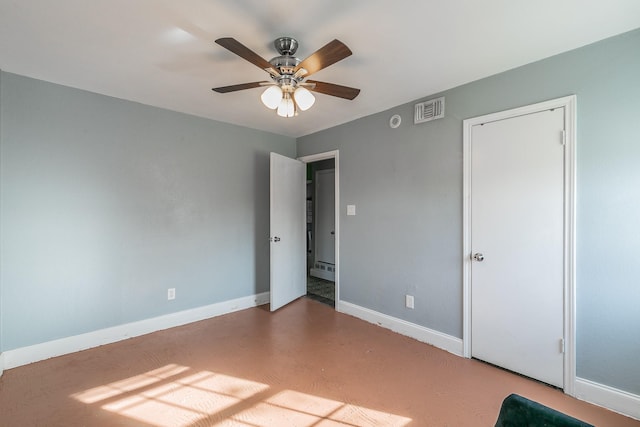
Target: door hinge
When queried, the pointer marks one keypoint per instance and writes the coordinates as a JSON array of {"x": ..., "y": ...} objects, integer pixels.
[
  {"x": 562, "y": 345},
  {"x": 563, "y": 137}
]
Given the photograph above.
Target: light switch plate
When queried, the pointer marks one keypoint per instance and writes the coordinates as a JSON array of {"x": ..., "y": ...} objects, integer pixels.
[
  {"x": 408, "y": 301},
  {"x": 351, "y": 209}
]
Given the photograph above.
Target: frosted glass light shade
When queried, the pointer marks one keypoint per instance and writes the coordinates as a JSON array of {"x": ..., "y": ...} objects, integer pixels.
[
  {"x": 286, "y": 107},
  {"x": 271, "y": 97},
  {"x": 304, "y": 98}
]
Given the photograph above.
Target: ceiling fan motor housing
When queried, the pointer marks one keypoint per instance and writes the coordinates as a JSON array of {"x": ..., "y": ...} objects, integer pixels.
[{"x": 286, "y": 63}]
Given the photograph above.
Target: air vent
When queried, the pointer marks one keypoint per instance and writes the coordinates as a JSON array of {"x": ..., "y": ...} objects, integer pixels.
[{"x": 429, "y": 110}]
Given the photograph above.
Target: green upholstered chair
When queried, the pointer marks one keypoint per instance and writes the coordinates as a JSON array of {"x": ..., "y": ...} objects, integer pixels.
[{"x": 517, "y": 411}]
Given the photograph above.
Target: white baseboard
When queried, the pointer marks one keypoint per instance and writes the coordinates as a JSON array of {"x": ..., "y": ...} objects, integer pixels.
[
  {"x": 33, "y": 353},
  {"x": 1, "y": 363},
  {"x": 608, "y": 397},
  {"x": 420, "y": 333}
]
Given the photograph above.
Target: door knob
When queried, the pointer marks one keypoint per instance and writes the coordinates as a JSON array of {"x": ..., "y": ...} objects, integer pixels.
[{"x": 478, "y": 257}]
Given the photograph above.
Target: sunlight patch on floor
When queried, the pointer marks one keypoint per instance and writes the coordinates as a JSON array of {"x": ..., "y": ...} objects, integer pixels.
[
  {"x": 130, "y": 384},
  {"x": 302, "y": 409},
  {"x": 174, "y": 395}
]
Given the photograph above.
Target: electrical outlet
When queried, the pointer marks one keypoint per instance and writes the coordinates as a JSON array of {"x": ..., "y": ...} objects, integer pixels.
[
  {"x": 171, "y": 293},
  {"x": 408, "y": 301}
]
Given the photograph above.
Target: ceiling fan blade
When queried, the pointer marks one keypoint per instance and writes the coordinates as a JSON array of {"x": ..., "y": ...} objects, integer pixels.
[
  {"x": 332, "y": 89},
  {"x": 244, "y": 52},
  {"x": 233, "y": 88},
  {"x": 329, "y": 54}
]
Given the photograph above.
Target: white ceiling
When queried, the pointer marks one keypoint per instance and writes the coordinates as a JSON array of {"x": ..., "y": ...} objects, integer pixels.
[{"x": 161, "y": 52}]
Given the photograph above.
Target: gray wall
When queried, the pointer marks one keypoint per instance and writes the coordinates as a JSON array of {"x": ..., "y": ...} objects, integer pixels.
[
  {"x": 407, "y": 185},
  {"x": 107, "y": 203}
]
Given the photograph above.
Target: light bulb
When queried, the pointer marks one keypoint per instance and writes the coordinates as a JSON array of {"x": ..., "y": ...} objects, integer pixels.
[
  {"x": 286, "y": 107},
  {"x": 271, "y": 97},
  {"x": 304, "y": 98}
]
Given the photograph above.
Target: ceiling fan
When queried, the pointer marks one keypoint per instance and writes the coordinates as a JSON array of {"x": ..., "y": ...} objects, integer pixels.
[{"x": 288, "y": 91}]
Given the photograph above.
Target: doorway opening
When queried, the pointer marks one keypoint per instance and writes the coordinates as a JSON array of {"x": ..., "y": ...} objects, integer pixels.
[{"x": 322, "y": 227}]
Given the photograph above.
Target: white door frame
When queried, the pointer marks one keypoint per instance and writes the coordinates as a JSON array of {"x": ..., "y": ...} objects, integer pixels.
[
  {"x": 569, "y": 104},
  {"x": 324, "y": 156}
]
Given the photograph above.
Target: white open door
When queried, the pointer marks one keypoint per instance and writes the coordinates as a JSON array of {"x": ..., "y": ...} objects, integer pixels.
[{"x": 287, "y": 230}]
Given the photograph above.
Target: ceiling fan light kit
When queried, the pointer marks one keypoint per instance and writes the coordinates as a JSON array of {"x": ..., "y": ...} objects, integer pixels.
[
  {"x": 271, "y": 97},
  {"x": 286, "y": 108},
  {"x": 288, "y": 91},
  {"x": 304, "y": 98}
]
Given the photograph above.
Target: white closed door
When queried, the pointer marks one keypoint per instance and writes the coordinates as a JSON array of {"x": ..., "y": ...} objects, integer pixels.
[
  {"x": 517, "y": 241},
  {"x": 288, "y": 279}
]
